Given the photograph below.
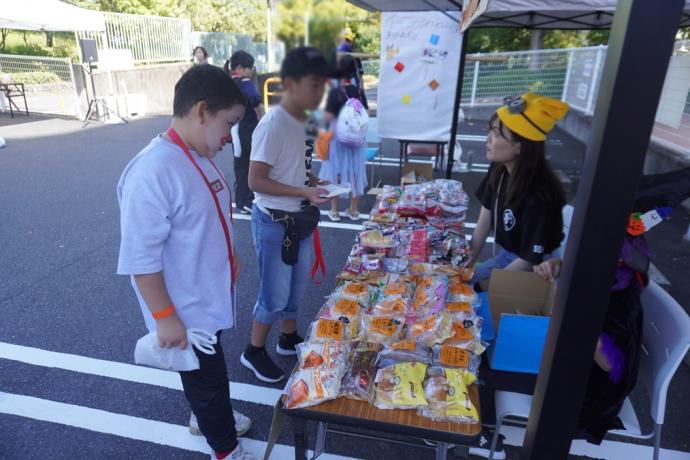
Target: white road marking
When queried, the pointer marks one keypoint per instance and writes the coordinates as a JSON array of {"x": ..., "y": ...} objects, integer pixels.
[
  {"x": 126, "y": 426},
  {"x": 610, "y": 450},
  {"x": 123, "y": 371}
]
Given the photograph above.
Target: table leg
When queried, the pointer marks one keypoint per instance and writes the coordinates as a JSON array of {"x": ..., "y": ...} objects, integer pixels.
[
  {"x": 299, "y": 427},
  {"x": 461, "y": 452},
  {"x": 320, "y": 445},
  {"x": 441, "y": 451}
]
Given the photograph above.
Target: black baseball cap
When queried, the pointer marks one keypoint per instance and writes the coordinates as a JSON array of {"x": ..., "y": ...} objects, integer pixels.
[{"x": 306, "y": 60}]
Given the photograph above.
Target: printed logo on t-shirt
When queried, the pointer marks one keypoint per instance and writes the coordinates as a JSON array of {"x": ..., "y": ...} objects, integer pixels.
[
  {"x": 509, "y": 220},
  {"x": 538, "y": 249},
  {"x": 217, "y": 186}
]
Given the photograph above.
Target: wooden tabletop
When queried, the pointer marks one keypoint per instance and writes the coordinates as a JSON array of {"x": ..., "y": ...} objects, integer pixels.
[{"x": 361, "y": 414}]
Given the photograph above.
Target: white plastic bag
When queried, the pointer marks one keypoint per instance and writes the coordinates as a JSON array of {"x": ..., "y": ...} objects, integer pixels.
[
  {"x": 148, "y": 353},
  {"x": 236, "y": 145}
]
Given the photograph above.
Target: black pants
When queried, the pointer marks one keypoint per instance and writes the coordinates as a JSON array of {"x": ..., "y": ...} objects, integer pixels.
[
  {"x": 208, "y": 392},
  {"x": 243, "y": 195}
]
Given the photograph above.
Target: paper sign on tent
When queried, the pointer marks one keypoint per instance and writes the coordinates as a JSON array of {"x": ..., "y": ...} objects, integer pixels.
[
  {"x": 434, "y": 39},
  {"x": 406, "y": 99},
  {"x": 399, "y": 66}
]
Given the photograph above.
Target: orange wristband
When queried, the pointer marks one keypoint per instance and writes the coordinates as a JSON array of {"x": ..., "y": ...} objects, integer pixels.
[{"x": 167, "y": 311}]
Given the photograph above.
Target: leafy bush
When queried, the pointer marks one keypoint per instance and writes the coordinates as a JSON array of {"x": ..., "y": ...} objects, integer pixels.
[{"x": 35, "y": 78}]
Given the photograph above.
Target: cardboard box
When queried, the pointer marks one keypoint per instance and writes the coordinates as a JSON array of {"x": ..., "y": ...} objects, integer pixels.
[
  {"x": 520, "y": 304},
  {"x": 416, "y": 172},
  {"x": 523, "y": 293}
]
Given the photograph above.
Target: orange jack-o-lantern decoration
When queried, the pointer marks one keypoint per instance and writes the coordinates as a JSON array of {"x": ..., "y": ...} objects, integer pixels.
[{"x": 635, "y": 225}]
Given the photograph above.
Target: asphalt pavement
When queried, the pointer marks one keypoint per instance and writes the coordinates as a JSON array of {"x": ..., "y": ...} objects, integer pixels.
[{"x": 68, "y": 324}]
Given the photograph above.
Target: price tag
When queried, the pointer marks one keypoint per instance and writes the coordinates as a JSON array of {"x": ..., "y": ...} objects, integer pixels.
[
  {"x": 408, "y": 345},
  {"x": 329, "y": 329},
  {"x": 454, "y": 356},
  {"x": 383, "y": 325},
  {"x": 458, "y": 307},
  {"x": 346, "y": 307}
]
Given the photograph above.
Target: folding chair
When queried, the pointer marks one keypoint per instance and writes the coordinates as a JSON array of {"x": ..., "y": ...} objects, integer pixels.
[{"x": 665, "y": 341}]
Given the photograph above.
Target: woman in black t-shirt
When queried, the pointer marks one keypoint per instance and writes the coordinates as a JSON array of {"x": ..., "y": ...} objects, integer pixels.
[{"x": 521, "y": 196}]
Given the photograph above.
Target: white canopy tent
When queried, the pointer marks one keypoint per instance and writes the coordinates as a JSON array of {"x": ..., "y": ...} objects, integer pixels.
[
  {"x": 531, "y": 14},
  {"x": 49, "y": 16}
]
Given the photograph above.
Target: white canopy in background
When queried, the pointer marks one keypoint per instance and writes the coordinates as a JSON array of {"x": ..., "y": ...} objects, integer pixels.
[
  {"x": 534, "y": 14},
  {"x": 48, "y": 15}
]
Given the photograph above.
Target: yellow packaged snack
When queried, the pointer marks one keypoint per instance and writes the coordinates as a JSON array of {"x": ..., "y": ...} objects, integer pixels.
[
  {"x": 400, "y": 386},
  {"x": 447, "y": 392}
]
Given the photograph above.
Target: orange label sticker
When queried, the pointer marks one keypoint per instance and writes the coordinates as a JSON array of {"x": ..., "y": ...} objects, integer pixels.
[
  {"x": 329, "y": 329},
  {"x": 457, "y": 307},
  {"x": 346, "y": 307},
  {"x": 383, "y": 325},
  {"x": 460, "y": 333},
  {"x": 356, "y": 288},
  {"x": 454, "y": 356},
  {"x": 393, "y": 305},
  {"x": 395, "y": 288},
  {"x": 408, "y": 344}
]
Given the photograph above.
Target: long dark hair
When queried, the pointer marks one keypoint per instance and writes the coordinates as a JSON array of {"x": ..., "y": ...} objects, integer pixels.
[{"x": 532, "y": 176}]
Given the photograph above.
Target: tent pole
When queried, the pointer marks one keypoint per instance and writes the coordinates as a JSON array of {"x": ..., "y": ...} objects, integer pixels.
[
  {"x": 639, "y": 51},
  {"x": 456, "y": 104}
]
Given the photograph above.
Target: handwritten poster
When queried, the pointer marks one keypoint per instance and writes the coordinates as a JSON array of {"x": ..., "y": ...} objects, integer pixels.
[{"x": 417, "y": 77}]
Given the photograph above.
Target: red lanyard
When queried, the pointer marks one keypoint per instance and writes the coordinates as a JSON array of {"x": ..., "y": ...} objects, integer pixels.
[{"x": 172, "y": 134}]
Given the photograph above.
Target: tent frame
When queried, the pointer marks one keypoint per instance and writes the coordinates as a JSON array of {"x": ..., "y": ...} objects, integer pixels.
[{"x": 612, "y": 169}]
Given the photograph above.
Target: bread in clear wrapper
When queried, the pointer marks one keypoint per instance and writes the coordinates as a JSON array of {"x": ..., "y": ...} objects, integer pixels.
[
  {"x": 400, "y": 386},
  {"x": 448, "y": 396}
]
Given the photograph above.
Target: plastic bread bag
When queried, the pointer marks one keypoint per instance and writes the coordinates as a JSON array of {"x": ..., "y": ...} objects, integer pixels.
[
  {"x": 400, "y": 386},
  {"x": 325, "y": 329},
  {"x": 429, "y": 295},
  {"x": 418, "y": 249},
  {"x": 376, "y": 239},
  {"x": 359, "y": 291},
  {"x": 401, "y": 286},
  {"x": 456, "y": 357},
  {"x": 382, "y": 329},
  {"x": 390, "y": 195},
  {"x": 392, "y": 305},
  {"x": 148, "y": 352},
  {"x": 467, "y": 335},
  {"x": 358, "y": 381},
  {"x": 308, "y": 387},
  {"x": 412, "y": 202},
  {"x": 432, "y": 330},
  {"x": 461, "y": 292},
  {"x": 447, "y": 392},
  {"x": 404, "y": 351},
  {"x": 395, "y": 264},
  {"x": 331, "y": 354},
  {"x": 347, "y": 311}
]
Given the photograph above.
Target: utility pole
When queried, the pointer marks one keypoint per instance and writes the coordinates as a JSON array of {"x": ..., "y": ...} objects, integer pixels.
[{"x": 269, "y": 35}]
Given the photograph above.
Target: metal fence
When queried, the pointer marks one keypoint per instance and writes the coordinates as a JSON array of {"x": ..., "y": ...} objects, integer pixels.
[
  {"x": 150, "y": 38},
  {"x": 49, "y": 83},
  {"x": 221, "y": 45}
]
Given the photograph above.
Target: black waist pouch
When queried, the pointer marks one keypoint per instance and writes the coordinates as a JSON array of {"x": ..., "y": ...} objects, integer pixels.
[{"x": 298, "y": 226}]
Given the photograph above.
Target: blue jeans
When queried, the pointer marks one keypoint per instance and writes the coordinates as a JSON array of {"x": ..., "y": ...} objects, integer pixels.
[
  {"x": 482, "y": 270},
  {"x": 281, "y": 286}
]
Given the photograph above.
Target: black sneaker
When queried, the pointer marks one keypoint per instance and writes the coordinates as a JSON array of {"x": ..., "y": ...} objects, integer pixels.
[
  {"x": 258, "y": 361},
  {"x": 483, "y": 446},
  {"x": 287, "y": 343}
]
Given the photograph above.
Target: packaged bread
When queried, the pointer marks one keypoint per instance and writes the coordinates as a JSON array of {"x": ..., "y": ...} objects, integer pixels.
[
  {"x": 455, "y": 357},
  {"x": 404, "y": 351},
  {"x": 447, "y": 393},
  {"x": 400, "y": 386},
  {"x": 311, "y": 386},
  {"x": 392, "y": 305},
  {"x": 432, "y": 330},
  {"x": 330, "y": 353},
  {"x": 382, "y": 329},
  {"x": 355, "y": 290},
  {"x": 358, "y": 381},
  {"x": 461, "y": 292}
]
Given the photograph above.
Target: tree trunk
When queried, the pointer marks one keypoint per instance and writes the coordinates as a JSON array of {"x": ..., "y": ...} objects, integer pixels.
[{"x": 49, "y": 39}]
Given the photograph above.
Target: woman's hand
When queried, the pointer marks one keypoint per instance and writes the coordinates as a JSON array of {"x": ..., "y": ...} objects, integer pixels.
[{"x": 549, "y": 269}]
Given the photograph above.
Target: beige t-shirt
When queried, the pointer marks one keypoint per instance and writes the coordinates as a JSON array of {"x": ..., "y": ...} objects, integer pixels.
[{"x": 280, "y": 140}]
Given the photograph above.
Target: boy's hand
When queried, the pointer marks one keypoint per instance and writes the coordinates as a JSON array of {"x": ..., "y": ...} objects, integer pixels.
[
  {"x": 171, "y": 332},
  {"x": 236, "y": 266},
  {"x": 313, "y": 194}
]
